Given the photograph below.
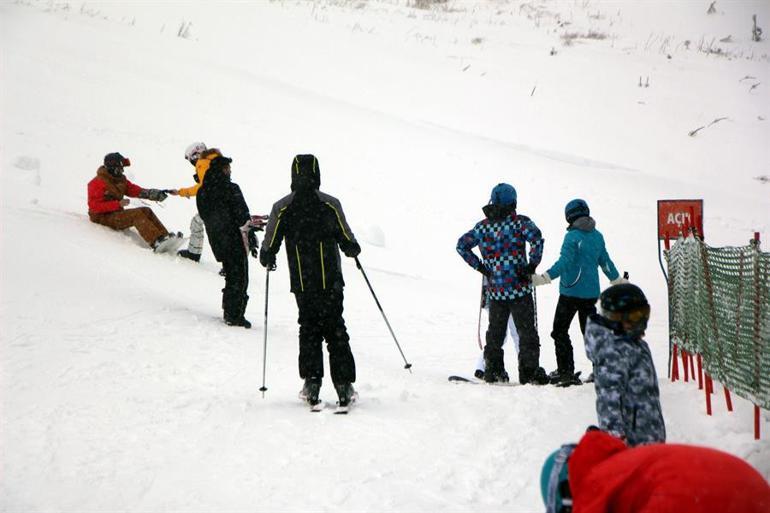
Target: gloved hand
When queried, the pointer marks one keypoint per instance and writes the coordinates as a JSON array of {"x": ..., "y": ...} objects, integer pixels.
[
  {"x": 618, "y": 281},
  {"x": 258, "y": 222},
  {"x": 525, "y": 272},
  {"x": 267, "y": 260},
  {"x": 253, "y": 243},
  {"x": 540, "y": 279},
  {"x": 351, "y": 250},
  {"x": 483, "y": 270},
  {"x": 153, "y": 194}
]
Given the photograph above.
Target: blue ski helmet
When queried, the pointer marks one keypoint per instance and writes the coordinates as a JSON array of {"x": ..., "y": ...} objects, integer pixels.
[
  {"x": 575, "y": 209},
  {"x": 503, "y": 195},
  {"x": 554, "y": 481}
]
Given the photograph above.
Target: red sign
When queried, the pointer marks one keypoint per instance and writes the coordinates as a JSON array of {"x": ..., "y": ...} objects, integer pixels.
[{"x": 678, "y": 217}]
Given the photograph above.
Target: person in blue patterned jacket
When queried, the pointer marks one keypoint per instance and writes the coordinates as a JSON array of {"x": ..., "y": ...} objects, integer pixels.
[
  {"x": 502, "y": 238},
  {"x": 627, "y": 394},
  {"x": 583, "y": 252}
]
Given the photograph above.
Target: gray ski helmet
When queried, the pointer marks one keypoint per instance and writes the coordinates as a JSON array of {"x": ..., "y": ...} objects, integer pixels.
[
  {"x": 576, "y": 209},
  {"x": 193, "y": 152},
  {"x": 503, "y": 195}
]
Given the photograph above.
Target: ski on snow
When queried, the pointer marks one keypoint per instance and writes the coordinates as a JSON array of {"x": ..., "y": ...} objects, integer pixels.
[{"x": 338, "y": 410}]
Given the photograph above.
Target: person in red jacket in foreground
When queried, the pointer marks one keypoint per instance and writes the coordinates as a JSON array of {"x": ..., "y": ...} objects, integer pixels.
[
  {"x": 106, "y": 203},
  {"x": 602, "y": 474}
]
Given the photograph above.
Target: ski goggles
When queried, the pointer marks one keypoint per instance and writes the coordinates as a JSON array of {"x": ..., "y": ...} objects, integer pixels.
[{"x": 635, "y": 316}]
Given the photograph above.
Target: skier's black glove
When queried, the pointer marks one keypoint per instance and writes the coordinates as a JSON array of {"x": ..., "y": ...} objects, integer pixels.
[
  {"x": 525, "y": 272},
  {"x": 483, "y": 270},
  {"x": 153, "y": 194},
  {"x": 253, "y": 243},
  {"x": 352, "y": 249},
  {"x": 267, "y": 260}
]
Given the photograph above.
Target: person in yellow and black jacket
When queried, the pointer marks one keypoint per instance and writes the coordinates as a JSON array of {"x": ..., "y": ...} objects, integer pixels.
[
  {"x": 199, "y": 156},
  {"x": 314, "y": 227}
]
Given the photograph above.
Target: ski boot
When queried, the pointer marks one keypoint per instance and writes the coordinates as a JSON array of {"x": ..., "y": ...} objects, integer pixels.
[
  {"x": 496, "y": 377},
  {"x": 185, "y": 253},
  {"x": 241, "y": 321},
  {"x": 554, "y": 376},
  {"x": 168, "y": 243},
  {"x": 309, "y": 393},
  {"x": 347, "y": 395},
  {"x": 567, "y": 379},
  {"x": 479, "y": 374},
  {"x": 536, "y": 377}
]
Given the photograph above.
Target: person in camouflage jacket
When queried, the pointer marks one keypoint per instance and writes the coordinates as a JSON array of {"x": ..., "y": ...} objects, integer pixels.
[
  {"x": 502, "y": 238},
  {"x": 627, "y": 394}
]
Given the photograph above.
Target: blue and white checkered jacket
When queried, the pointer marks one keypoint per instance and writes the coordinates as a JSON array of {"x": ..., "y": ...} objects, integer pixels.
[{"x": 503, "y": 249}]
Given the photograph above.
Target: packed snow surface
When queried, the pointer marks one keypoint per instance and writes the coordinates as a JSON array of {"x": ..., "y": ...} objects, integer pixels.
[{"x": 120, "y": 387}]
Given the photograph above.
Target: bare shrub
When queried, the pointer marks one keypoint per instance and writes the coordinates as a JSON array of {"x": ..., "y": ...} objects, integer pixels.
[
  {"x": 428, "y": 4},
  {"x": 568, "y": 38}
]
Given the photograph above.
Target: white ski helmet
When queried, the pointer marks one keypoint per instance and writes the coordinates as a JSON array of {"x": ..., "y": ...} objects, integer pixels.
[{"x": 193, "y": 152}]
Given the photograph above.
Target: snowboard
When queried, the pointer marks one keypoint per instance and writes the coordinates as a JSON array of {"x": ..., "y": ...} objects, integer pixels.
[
  {"x": 474, "y": 381},
  {"x": 170, "y": 245}
]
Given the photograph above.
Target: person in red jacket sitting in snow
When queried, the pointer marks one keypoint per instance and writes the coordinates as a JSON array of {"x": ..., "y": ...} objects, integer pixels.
[
  {"x": 106, "y": 200},
  {"x": 602, "y": 474}
]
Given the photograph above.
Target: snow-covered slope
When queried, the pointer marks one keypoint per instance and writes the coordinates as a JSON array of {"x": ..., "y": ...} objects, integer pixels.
[{"x": 120, "y": 388}]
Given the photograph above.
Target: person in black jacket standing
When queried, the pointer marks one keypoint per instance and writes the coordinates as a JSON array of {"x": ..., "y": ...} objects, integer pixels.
[
  {"x": 227, "y": 220},
  {"x": 314, "y": 227}
]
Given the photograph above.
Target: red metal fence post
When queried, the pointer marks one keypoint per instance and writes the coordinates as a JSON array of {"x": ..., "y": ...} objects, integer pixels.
[
  {"x": 728, "y": 400},
  {"x": 692, "y": 365},
  {"x": 708, "y": 394},
  {"x": 756, "y": 422},
  {"x": 700, "y": 373},
  {"x": 675, "y": 365},
  {"x": 685, "y": 367}
]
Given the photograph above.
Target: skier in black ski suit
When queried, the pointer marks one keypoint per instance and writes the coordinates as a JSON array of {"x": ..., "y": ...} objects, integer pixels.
[
  {"x": 314, "y": 227},
  {"x": 226, "y": 217}
]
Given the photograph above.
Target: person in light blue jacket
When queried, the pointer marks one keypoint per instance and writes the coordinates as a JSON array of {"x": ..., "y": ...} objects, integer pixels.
[{"x": 582, "y": 253}]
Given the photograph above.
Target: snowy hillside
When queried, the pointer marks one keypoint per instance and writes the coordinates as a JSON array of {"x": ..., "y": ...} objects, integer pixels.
[{"x": 120, "y": 387}]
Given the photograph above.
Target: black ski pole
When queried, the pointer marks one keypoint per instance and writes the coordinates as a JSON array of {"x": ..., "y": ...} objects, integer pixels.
[
  {"x": 481, "y": 307},
  {"x": 263, "y": 388},
  {"x": 407, "y": 365}
]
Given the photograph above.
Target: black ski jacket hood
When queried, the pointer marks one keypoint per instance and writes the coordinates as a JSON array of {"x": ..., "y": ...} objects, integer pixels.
[
  {"x": 498, "y": 212},
  {"x": 223, "y": 209},
  {"x": 305, "y": 174}
]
